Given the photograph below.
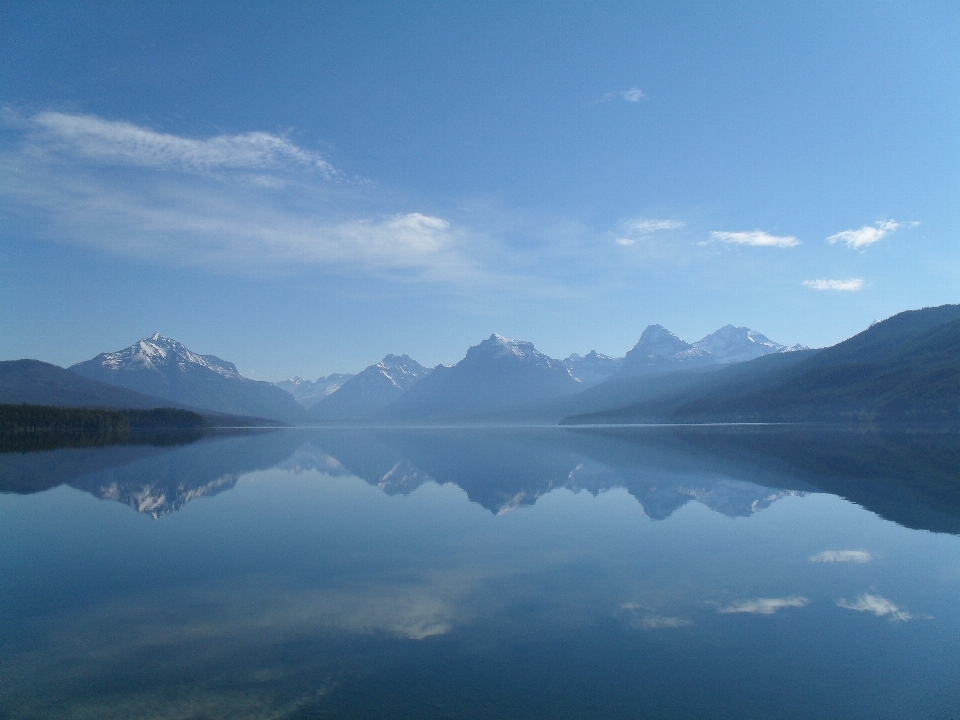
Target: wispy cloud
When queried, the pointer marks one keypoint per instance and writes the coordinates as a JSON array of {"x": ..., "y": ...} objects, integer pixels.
[
  {"x": 755, "y": 238},
  {"x": 867, "y": 235},
  {"x": 637, "y": 229},
  {"x": 654, "y": 622},
  {"x": 120, "y": 142},
  {"x": 879, "y": 606},
  {"x": 764, "y": 606},
  {"x": 632, "y": 95},
  {"x": 835, "y": 556},
  {"x": 848, "y": 285},
  {"x": 251, "y": 202}
]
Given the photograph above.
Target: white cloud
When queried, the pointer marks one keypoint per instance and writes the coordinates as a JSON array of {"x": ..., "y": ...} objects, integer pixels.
[
  {"x": 879, "y": 606},
  {"x": 832, "y": 556},
  {"x": 633, "y": 95},
  {"x": 865, "y": 236},
  {"x": 848, "y": 285},
  {"x": 124, "y": 143},
  {"x": 756, "y": 238},
  {"x": 253, "y": 202},
  {"x": 654, "y": 622},
  {"x": 633, "y": 230},
  {"x": 764, "y": 606}
]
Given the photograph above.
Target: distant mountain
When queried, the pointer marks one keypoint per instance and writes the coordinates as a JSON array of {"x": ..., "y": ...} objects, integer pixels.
[
  {"x": 659, "y": 350},
  {"x": 905, "y": 369},
  {"x": 166, "y": 369},
  {"x": 39, "y": 383},
  {"x": 593, "y": 367},
  {"x": 732, "y": 344},
  {"x": 497, "y": 375},
  {"x": 371, "y": 390},
  {"x": 309, "y": 393}
]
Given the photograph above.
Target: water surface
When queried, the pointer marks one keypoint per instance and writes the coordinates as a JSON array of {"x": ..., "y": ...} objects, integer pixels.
[{"x": 484, "y": 573}]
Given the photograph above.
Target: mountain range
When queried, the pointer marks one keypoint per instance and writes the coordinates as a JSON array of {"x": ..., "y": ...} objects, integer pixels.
[
  {"x": 904, "y": 369},
  {"x": 371, "y": 390},
  {"x": 309, "y": 393},
  {"x": 164, "y": 368}
]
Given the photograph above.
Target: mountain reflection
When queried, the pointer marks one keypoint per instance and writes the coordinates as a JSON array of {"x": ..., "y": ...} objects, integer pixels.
[
  {"x": 913, "y": 479},
  {"x": 156, "y": 478}
]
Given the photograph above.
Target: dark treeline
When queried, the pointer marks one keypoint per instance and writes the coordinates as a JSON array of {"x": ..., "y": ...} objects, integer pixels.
[{"x": 20, "y": 419}]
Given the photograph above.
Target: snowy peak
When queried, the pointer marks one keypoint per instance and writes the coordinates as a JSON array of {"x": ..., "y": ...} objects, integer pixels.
[
  {"x": 309, "y": 393},
  {"x": 659, "y": 350},
  {"x": 593, "y": 367},
  {"x": 370, "y": 390},
  {"x": 732, "y": 344},
  {"x": 500, "y": 350},
  {"x": 402, "y": 371},
  {"x": 158, "y": 352},
  {"x": 657, "y": 341}
]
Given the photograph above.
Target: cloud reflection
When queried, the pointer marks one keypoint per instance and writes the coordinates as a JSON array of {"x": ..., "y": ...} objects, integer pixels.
[
  {"x": 764, "y": 606},
  {"x": 879, "y": 606},
  {"x": 833, "y": 556}
]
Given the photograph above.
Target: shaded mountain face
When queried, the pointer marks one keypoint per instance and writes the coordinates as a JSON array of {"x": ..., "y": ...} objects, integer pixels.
[
  {"x": 903, "y": 371},
  {"x": 371, "y": 390},
  {"x": 496, "y": 375},
  {"x": 732, "y": 344},
  {"x": 39, "y": 383},
  {"x": 309, "y": 393},
  {"x": 659, "y": 350},
  {"x": 166, "y": 369},
  {"x": 593, "y": 367}
]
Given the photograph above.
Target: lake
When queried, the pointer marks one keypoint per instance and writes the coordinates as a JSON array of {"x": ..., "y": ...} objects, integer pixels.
[{"x": 711, "y": 572}]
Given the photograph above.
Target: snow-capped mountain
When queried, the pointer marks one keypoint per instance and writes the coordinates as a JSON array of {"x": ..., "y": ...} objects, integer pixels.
[
  {"x": 158, "y": 352},
  {"x": 659, "y": 350},
  {"x": 309, "y": 393},
  {"x": 732, "y": 344},
  {"x": 495, "y": 375},
  {"x": 593, "y": 367},
  {"x": 166, "y": 369},
  {"x": 371, "y": 390}
]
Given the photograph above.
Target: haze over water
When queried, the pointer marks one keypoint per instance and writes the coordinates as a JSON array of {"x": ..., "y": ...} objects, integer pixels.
[{"x": 469, "y": 573}]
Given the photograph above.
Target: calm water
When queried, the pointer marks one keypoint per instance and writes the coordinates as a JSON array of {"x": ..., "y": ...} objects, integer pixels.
[{"x": 458, "y": 573}]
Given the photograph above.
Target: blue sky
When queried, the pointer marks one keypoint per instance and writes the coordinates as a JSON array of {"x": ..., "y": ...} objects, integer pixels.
[{"x": 303, "y": 188}]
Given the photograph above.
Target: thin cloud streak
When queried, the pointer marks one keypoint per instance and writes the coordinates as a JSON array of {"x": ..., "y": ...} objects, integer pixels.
[
  {"x": 877, "y": 605},
  {"x": 637, "y": 229},
  {"x": 124, "y": 143},
  {"x": 866, "y": 236},
  {"x": 251, "y": 203},
  {"x": 848, "y": 285},
  {"x": 755, "y": 238},
  {"x": 632, "y": 95},
  {"x": 764, "y": 606},
  {"x": 842, "y": 556}
]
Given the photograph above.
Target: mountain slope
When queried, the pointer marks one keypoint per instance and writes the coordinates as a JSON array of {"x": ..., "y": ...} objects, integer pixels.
[
  {"x": 732, "y": 344},
  {"x": 309, "y": 393},
  {"x": 498, "y": 374},
  {"x": 593, "y": 367},
  {"x": 166, "y": 369},
  {"x": 39, "y": 383},
  {"x": 371, "y": 390},
  {"x": 904, "y": 369},
  {"x": 659, "y": 350},
  {"x": 900, "y": 370}
]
